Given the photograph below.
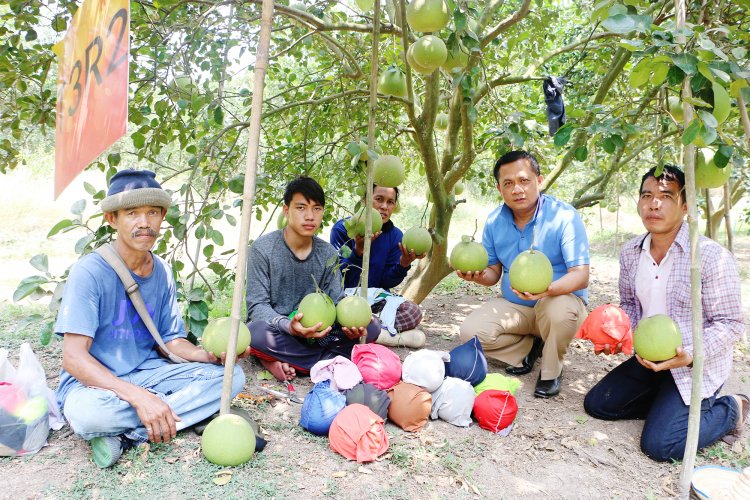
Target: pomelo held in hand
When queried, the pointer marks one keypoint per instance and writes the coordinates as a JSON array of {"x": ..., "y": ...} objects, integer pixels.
[
  {"x": 355, "y": 226},
  {"x": 417, "y": 240},
  {"x": 657, "y": 338},
  {"x": 317, "y": 307},
  {"x": 228, "y": 440},
  {"x": 469, "y": 255},
  {"x": 388, "y": 171},
  {"x": 353, "y": 312},
  {"x": 530, "y": 271},
  {"x": 216, "y": 336},
  {"x": 427, "y": 16}
]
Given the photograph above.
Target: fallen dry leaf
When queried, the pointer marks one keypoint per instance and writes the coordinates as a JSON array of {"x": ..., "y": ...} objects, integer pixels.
[
  {"x": 222, "y": 477},
  {"x": 364, "y": 470},
  {"x": 171, "y": 460},
  {"x": 339, "y": 473}
]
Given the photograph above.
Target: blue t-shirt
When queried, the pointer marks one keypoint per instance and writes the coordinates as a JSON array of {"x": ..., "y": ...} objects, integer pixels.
[
  {"x": 557, "y": 231},
  {"x": 95, "y": 304},
  {"x": 385, "y": 257}
]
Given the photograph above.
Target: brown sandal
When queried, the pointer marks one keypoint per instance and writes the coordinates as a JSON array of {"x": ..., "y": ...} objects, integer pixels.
[{"x": 736, "y": 433}]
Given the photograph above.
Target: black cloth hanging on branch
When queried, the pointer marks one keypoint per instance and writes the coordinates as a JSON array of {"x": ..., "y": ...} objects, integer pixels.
[{"x": 553, "y": 90}]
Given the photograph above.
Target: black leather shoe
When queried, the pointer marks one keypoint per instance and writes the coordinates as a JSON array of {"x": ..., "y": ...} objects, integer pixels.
[
  {"x": 547, "y": 388},
  {"x": 529, "y": 360}
]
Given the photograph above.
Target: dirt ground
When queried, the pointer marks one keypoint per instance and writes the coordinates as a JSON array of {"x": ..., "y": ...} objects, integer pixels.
[{"x": 554, "y": 451}]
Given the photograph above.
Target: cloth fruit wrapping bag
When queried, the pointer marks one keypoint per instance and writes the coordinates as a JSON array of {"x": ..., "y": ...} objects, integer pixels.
[
  {"x": 467, "y": 362},
  {"x": 453, "y": 402},
  {"x": 320, "y": 407},
  {"x": 607, "y": 324},
  {"x": 425, "y": 368},
  {"x": 496, "y": 411},
  {"x": 358, "y": 434},
  {"x": 28, "y": 408},
  {"x": 370, "y": 396},
  {"x": 342, "y": 373},
  {"x": 378, "y": 365},
  {"x": 498, "y": 382},
  {"x": 410, "y": 406}
]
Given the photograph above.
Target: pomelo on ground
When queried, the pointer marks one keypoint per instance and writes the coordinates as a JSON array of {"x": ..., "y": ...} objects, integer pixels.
[
  {"x": 353, "y": 312},
  {"x": 228, "y": 440},
  {"x": 429, "y": 51},
  {"x": 317, "y": 307},
  {"x": 355, "y": 226},
  {"x": 427, "y": 16},
  {"x": 707, "y": 174},
  {"x": 657, "y": 338},
  {"x": 468, "y": 255},
  {"x": 418, "y": 240},
  {"x": 388, "y": 171},
  {"x": 530, "y": 271},
  {"x": 216, "y": 336}
]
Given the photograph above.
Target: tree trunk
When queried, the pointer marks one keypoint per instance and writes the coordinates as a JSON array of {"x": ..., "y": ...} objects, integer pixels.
[{"x": 430, "y": 271}]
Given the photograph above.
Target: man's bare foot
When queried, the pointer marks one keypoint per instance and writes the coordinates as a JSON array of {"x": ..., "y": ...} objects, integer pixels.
[{"x": 282, "y": 371}]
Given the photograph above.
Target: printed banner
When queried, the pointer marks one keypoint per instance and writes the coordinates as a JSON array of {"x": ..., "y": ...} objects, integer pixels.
[{"x": 92, "y": 86}]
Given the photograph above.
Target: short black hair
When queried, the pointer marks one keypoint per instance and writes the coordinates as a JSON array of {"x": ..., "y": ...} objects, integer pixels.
[
  {"x": 394, "y": 189},
  {"x": 307, "y": 187},
  {"x": 669, "y": 173},
  {"x": 513, "y": 156}
]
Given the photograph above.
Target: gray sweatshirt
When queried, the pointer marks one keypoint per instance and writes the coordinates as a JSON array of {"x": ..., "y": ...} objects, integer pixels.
[{"x": 277, "y": 280}]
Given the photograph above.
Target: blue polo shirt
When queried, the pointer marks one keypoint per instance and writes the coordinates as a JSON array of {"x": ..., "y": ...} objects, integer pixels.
[{"x": 557, "y": 231}]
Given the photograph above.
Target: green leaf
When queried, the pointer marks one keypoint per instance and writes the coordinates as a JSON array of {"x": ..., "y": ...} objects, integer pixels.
[
  {"x": 28, "y": 286},
  {"x": 113, "y": 159},
  {"x": 691, "y": 132},
  {"x": 707, "y": 134},
  {"x": 675, "y": 76},
  {"x": 625, "y": 23},
  {"x": 723, "y": 155},
  {"x": 218, "y": 115},
  {"x": 40, "y": 262},
  {"x": 660, "y": 74},
  {"x": 609, "y": 145},
  {"x": 695, "y": 101},
  {"x": 707, "y": 118},
  {"x": 59, "y": 226},
  {"x": 688, "y": 63},
  {"x": 196, "y": 295},
  {"x": 208, "y": 251},
  {"x": 198, "y": 311},
  {"x": 82, "y": 243},
  {"x": 640, "y": 73},
  {"x": 46, "y": 334},
  {"x": 28, "y": 320},
  {"x": 139, "y": 140},
  {"x": 217, "y": 237},
  {"x": 237, "y": 184},
  {"x": 581, "y": 153},
  {"x": 78, "y": 207},
  {"x": 562, "y": 136}
]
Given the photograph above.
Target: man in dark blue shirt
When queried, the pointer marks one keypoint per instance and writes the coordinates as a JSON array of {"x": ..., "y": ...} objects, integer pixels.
[{"x": 389, "y": 263}]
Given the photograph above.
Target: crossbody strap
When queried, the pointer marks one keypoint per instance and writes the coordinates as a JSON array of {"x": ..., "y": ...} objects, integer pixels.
[{"x": 109, "y": 254}]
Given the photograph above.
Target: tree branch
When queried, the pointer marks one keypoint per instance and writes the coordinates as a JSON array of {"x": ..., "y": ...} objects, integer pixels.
[{"x": 506, "y": 23}]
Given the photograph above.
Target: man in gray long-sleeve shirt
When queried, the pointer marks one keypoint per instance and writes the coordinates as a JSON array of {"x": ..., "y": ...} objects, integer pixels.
[{"x": 281, "y": 268}]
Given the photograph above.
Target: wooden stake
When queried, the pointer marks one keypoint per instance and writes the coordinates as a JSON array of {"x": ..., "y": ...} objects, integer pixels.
[{"x": 248, "y": 197}]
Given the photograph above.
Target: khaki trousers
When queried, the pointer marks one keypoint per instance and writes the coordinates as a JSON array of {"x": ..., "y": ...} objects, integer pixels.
[{"x": 507, "y": 330}]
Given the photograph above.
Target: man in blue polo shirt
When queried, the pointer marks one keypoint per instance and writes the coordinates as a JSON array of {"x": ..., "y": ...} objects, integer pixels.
[{"x": 517, "y": 328}]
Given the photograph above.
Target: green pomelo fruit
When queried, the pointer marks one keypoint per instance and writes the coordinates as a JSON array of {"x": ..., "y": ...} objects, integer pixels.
[
  {"x": 457, "y": 59},
  {"x": 675, "y": 108},
  {"x": 216, "y": 336},
  {"x": 392, "y": 82},
  {"x": 353, "y": 312},
  {"x": 722, "y": 103},
  {"x": 458, "y": 188},
  {"x": 317, "y": 307},
  {"x": 417, "y": 240},
  {"x": 530, "y": 271},
  {"x": 468, "y": 255},
  {"x": 228, "y": 440},
  {"x": 427, "y": 16},
  {"x": 657, "y": 338},
  {"x": 281, "y": 221},
  {"x": 32, "y": 409},
  {"x": 429, "y": 51},
  {"x": 356, "y": 225},
  {"x": 388, "y": 171},
  {"x": 441, "y": 121},
  {"x": 365, "y": 5},
  {"x": 422, "y": 70},
  {"x": 707, "y": 174}
]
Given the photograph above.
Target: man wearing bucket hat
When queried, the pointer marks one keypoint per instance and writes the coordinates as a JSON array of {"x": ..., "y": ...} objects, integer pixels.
[
  {"x": 116, "y": 389},
  {"x": 655, "y": 279}
]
